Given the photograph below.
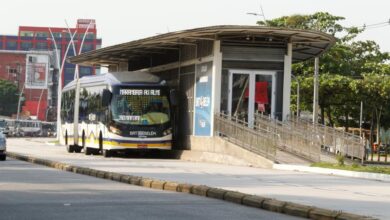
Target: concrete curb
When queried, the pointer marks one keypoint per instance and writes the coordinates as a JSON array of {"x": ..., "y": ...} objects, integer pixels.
[
  {"x": 327, "y": 171},
  {"x": 270, "y": 204}
]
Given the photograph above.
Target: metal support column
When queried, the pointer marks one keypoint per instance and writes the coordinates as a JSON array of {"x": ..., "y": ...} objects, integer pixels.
[
  {"x": 287, "y": 82},
  {"x": 216, "y": 89}
]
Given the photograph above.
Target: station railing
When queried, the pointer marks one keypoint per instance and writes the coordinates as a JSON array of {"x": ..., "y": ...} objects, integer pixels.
[
  {"x": 332, "y": 140},
  {"x": 257, "y": 139},
  {"x": 301, "y": 138},
  {"x": 297, "y": 141}
]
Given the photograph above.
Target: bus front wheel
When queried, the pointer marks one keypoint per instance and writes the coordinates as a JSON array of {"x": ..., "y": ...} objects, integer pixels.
[
  {"x": 107, "y": 153},
  {"x": 87, "y": 150},
  {"x": 69, "y": 148}
]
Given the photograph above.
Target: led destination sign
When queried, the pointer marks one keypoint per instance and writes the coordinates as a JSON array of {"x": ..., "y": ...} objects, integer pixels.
[
  {"x": 143, "y": 133},
  {"x": 155, "y": 92}
]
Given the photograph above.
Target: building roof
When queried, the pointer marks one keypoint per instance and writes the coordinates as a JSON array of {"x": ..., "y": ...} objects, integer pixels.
[{"x": 306, "y": 43}]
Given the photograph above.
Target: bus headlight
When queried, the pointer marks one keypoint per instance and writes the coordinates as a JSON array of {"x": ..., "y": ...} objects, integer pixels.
[
  {"x": 115, "y": 130},
  {"x": 167, "y": 132}
]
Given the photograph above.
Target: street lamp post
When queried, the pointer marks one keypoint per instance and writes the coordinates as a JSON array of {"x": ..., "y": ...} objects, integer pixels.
[
  {"x": 61, "y": 66},
  {"x": 258, "y": 14},
  {"x": 59, "y": 88},
  {"x": 76, "y": 78},
  {"x": 76, "y": 74}
]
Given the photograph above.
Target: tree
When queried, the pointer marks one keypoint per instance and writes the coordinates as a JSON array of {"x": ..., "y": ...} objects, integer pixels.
[
  {"x": 346, "y": 70},
  {"x": 8, "y": 98},
  {"x": 320, "y": 21},
  {"x": 374, "y": 89}
]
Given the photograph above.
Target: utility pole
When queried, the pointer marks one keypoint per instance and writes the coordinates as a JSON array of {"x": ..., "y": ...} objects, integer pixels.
[
  {"x": 20, "y": 99},
  {"x": 361, "y": 117},
  {"x": 315, "y": 93}
]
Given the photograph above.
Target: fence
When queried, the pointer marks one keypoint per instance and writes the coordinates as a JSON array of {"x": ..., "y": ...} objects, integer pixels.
[
  {"x": 332, "y": 140},
  {"x": 258, "y": 140}
]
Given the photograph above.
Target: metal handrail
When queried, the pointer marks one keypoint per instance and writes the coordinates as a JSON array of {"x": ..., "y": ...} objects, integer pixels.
[
  {"x": 257, "y": 140},
  {"x": 293, "y": 140},
  {"x": 298, "y": 137},
  {"x": 334, "y": 140}
]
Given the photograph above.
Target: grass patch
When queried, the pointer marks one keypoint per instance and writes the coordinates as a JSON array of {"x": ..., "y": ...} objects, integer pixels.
[
  {"x": 54, "y": 142},
  {"x": 354, "y": 167}
]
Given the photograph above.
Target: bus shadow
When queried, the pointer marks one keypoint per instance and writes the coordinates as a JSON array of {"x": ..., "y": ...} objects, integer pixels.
[{"x": 150, "y": 154}]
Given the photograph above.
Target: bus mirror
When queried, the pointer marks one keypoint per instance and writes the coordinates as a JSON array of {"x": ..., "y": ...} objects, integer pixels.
[
  {"x": 173, "y": 97},
  {"x": 106, "y": 97}
]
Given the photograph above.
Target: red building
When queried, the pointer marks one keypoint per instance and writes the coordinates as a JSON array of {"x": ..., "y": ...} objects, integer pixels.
[
  {"x": 14, "y": 63},
  {"x": 33, "y": 78}
]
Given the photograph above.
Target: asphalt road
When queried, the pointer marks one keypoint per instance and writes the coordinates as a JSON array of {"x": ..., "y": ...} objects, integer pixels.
[
  {"x": 30, "y": 191},
  {"x": 360, "y": 196}
]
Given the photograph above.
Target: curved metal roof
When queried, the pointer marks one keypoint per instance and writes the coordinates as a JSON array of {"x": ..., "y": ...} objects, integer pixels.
[{"x": 306, "y": 43}]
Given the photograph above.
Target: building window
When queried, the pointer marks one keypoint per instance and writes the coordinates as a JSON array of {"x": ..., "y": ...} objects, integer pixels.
[
  {"x": 57, "y": 35},
  {"x": 90, "y": 36},
  {"x": 11, "y": 45},
  {"x": 87, "y": 47},
  {"x": 41, "y": 46},
  {"x": 13, "y": 72},
  {"x": 26, "y": 45},
  {"x": 68, "y": 75},
  {"x": 58, "y": 46},
  {"x": 85, "y": 71},
  {"x": 70, "y": 53},
  {"x": 26, "y": 34},
  {"x": 42, "y": 34},
  {"x": 67, "y": 35},
  {"x": 69, "y": 71},
  {"x": 12, "y": 69},
  {"x": 1, "y": 44}
]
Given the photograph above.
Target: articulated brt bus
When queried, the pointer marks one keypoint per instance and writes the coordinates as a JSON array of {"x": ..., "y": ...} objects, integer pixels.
[{"x": 115, "y": 112}]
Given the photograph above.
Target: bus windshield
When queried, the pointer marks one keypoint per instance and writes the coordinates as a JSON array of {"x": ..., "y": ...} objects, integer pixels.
[{"x": 140, "y": 106}]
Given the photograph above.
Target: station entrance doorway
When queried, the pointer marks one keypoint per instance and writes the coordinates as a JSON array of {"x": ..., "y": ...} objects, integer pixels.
[{"x": 251, "y": 92}]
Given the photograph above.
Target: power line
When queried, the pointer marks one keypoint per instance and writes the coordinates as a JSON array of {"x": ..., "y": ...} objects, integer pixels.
[{"x": 376, "y": 25}]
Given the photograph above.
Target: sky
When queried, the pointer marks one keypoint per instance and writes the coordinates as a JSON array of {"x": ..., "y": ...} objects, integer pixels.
[{"x": 120, "y": 21}]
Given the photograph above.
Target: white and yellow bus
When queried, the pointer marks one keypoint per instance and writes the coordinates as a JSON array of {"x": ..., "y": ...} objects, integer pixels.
[{"x": 116, "y": 111}]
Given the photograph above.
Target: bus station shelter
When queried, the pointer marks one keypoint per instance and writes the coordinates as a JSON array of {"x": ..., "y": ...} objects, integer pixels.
[{"x": 237, "y": 70}]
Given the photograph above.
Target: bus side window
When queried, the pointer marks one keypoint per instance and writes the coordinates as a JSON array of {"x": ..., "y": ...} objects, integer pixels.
[{"x": 83, "y": 116}]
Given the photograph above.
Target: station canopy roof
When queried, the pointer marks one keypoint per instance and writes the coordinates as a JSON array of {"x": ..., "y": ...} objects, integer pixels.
[{"x": 306, "y": 43}]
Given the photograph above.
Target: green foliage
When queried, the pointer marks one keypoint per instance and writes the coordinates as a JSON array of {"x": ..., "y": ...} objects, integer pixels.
[
  {"x": 320, "y": 21},
  {"x": 385, "y": 136},
  {"x": 8, "y": 98},
  {"x": 350, "y": 72},
  {"x": 340, "y": 160},
  {"x": 354, "y": 167}
]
